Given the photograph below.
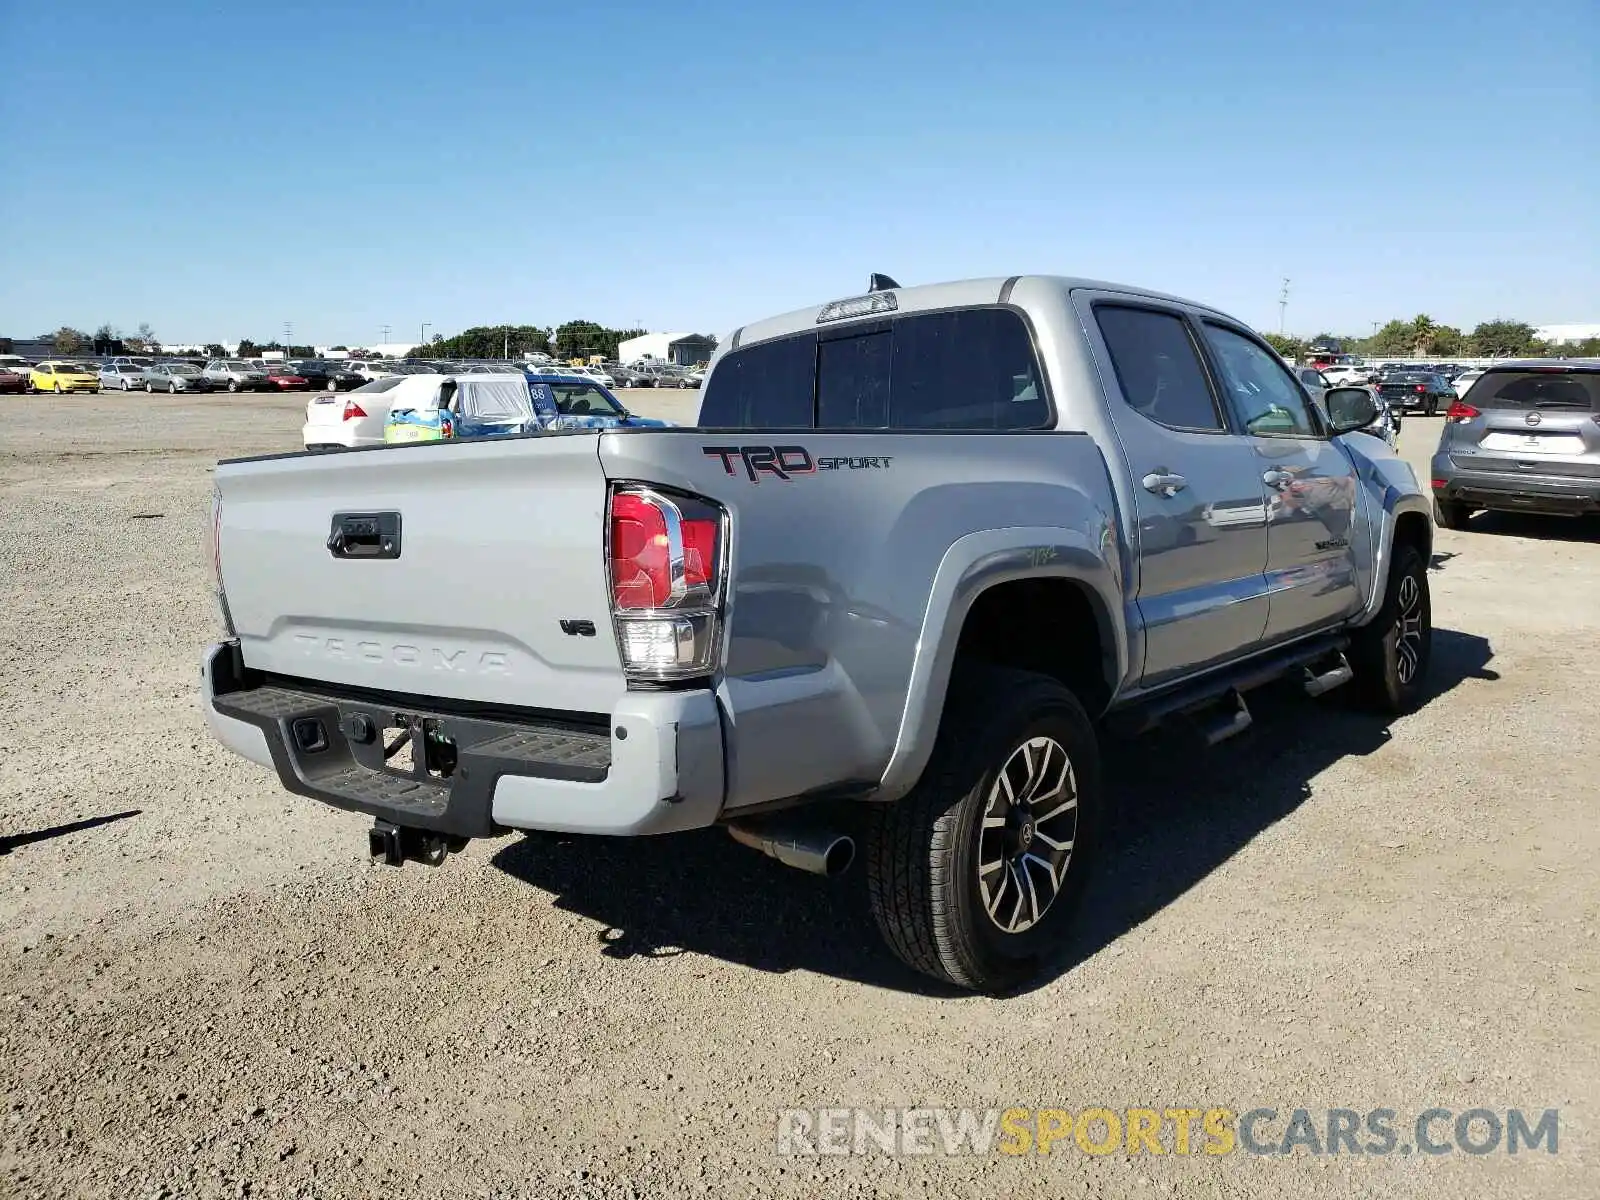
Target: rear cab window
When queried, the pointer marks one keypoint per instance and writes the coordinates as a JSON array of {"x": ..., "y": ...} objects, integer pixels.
[{"x": 963, "y": 369}]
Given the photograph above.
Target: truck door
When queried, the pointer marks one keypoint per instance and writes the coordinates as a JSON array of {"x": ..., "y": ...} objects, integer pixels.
[
  {"x": 1309, "y": 482},
  {"x": 1199, "y": 510}
]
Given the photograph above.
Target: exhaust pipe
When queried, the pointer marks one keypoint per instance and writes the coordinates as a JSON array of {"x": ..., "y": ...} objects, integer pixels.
[{"x": 805, "y": 847}]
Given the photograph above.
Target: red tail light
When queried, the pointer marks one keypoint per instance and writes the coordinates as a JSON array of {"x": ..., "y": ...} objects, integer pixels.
[
  {"x": 1422, "y": 387},
  {"x": 666, "y": 589},
  {"x": 1439, "y": 485},
  {"x": 1460, "y": 411},
  {"x": 657, "y": 555},
  {"x": 353, "y": 411}
]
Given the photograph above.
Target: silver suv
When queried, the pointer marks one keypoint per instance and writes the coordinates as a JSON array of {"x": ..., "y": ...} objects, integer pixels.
[
  {"x": 235, "y": 375},
  {"x": 1524, "y": 438}
]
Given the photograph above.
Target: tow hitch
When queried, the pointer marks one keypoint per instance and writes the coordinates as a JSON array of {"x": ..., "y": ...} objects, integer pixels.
[{"x": 395, "y": 844}]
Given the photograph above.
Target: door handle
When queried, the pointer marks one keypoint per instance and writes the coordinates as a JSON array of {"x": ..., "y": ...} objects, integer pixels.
[
  {"x": 1277, "y": 480},
  {"x": 1164, "y": 483}
]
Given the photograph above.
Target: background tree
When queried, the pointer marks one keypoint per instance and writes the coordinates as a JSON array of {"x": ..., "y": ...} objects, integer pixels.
[
  {"x": 247, "y": 348},
  {"x": 1291, "y": 348},
  {"x": 68, "y": 340},
  {"x": 1448, "y": 340},
  {"x": 215, "y": 350},
  {"x": 1501, "y": 337},
  {"x": 1396, "y": 337}
]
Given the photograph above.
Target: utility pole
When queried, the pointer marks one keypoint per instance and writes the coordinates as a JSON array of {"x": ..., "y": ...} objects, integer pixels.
[
  {"x": 425, "y": 325},
  {"x": 385, "y": 330},
  {"x": 505, "y": 345},
  {"x": 1283, "y": 304},
  {"x": 288, "y": 339}
]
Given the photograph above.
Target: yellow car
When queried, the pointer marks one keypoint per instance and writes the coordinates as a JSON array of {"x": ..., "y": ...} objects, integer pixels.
[{"x": 57, "y": 376}]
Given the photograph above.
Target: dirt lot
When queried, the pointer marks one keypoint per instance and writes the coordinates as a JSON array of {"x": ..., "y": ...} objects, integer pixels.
[{"x": 206, "y": 990}]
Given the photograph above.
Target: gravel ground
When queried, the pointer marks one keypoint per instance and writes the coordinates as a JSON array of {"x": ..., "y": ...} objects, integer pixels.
[{"x": 205, "y": 990}]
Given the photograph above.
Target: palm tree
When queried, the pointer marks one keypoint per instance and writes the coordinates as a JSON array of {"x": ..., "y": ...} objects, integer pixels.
[{"x": 1423, "y": 330}]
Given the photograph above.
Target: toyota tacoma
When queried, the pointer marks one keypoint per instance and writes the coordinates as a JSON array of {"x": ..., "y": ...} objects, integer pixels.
[{"x": 924, "y": 549}]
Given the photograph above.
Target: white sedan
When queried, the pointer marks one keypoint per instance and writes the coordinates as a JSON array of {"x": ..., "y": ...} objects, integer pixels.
[{"x": 348, "y": 420}]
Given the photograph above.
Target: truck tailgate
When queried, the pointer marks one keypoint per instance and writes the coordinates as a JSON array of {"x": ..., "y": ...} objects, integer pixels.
[{"x": 498, "y": 543}]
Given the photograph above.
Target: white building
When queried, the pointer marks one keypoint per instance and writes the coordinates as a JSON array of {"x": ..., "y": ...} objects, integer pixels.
[
  {"x": 1562, "y": 334},
  {"x": 685, "y": 349}
]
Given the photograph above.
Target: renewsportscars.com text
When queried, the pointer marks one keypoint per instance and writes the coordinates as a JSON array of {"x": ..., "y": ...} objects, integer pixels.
[{"x": 1098, "y": 1130}]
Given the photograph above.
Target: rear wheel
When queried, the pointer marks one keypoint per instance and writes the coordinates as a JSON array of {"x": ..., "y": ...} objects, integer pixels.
[
  {"x": 1390, "y": 654},
  {"x": 1450, "y": 514},
  {"x": 233, "y": 385},
  {"x": 150, "y": 388},
  {"x": 975, "y": 873}
]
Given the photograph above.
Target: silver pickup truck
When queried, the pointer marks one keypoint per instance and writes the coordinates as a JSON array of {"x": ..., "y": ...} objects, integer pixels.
[{"x": 924, "y": 548}]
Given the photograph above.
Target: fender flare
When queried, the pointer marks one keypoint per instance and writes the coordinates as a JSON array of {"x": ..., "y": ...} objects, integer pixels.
[
  {"x": 971, "y": 566},
  {"x": 1396, "y": 504}
]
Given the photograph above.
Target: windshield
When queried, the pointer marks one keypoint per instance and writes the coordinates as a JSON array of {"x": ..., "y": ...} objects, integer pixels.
[{"x": 181, "y": 369}]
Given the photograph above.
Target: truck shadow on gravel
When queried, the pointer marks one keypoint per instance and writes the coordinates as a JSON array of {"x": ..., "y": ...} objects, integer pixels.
[{"x": 1179, "y": 812}]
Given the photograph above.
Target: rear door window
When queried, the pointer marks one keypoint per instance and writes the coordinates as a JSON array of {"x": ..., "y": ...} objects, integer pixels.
[
  {"x": 963, "y": 369},
  {"x": 1158, "y": 367},
  {"x": 1574, "y": 390}
]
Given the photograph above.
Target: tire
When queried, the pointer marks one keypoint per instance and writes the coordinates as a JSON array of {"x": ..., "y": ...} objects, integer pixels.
[
  {"x": 58, "y": 387},
  {"x": 1390, "y": 655},
  {"x": 924, "y": 852},
  {"x": 172, "y": 389},
  {"x": 150, "y": 389},
  {"x": 1451, "y": 514},
  {"x": 233, "y": 385}
]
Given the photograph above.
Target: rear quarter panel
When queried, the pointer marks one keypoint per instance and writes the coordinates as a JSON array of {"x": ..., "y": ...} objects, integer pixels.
[{"x": 852, "y": 567}]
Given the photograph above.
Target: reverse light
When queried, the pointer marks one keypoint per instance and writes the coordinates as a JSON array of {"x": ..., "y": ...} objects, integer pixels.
[
  {"x": 353, "y": 411},
  {"x": 664, "y": 560},
  {"x": 1461, "y": 411},
  {"x": 858, "y": 306}
]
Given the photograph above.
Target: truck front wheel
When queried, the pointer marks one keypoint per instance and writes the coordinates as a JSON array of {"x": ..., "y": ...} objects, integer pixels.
[
  {"x": 1390, "y": 655},
  {"x": 974, "y": 874}
]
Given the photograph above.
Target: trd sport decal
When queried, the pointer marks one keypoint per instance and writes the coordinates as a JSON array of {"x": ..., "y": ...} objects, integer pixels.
[{"x": 785, "y": 462}]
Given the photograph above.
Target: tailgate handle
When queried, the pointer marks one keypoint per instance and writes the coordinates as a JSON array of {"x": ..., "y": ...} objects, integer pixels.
[{"x": 365, "y": 535}]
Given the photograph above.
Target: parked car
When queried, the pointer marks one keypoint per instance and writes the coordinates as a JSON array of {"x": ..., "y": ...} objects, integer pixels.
[
  {"x": 461, "y": 406},
  {"x": 175, "y": 377},
  {"x": 1525, "y": 438},
  {"x": 632, "y": 377},
  {"x": 234, "y": 375},
  {"x": 62, "y": 375},
  {"x": 16, "y": 363},
  {"x": 12, "y": 380},
  {"x": 327, "y": 375},
  {"x": 1461, "y": 383},
  {"x": 1417, "y": 389},
  {"x": 351, "y": 420},
  {"x": 370, "y": 368},
  {"x": 1313, "y": 380},
  {"x": 574, "y": 402},
  {"x": 287, "y": 379},
  {"x": 942, "y": 539},
  {"x": 1347, "y": 376},
  {"x": 121, "y": 377}
]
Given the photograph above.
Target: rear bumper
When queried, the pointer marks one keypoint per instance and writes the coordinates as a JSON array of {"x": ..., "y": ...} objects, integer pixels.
[
  {"x": 1515, "y": 491},
  {"x": 656, "y": 767}
]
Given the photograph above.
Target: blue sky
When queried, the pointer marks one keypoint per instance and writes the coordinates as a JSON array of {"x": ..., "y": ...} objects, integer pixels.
[{"x": 217, "y": 170}]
